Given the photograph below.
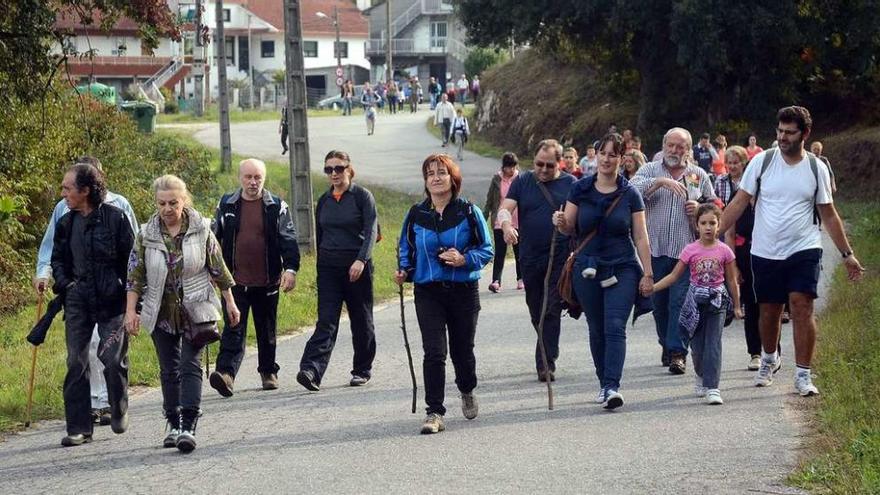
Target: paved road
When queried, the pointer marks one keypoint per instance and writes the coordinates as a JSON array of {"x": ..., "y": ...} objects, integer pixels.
[
  {"x": 348, "y": 440},
  {"x": 392, "y": 156}
]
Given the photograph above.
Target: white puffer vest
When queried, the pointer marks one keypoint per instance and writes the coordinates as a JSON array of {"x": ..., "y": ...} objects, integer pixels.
[{"x": 199, "y": 296}]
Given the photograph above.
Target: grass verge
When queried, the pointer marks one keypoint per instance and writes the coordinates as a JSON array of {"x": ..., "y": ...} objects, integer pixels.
[
  {"x": 844, "y": 454},
  {"x": 296, "y": 310},
  {"x": 235, "y": 116}
]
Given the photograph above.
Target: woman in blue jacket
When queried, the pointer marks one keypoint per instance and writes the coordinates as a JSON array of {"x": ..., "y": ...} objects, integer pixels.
[{"x": 444, "y": 244}]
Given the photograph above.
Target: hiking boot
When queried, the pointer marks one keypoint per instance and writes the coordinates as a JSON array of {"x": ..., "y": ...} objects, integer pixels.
[
  {"x": 358, "y": 380},
  {"x": 754, "y": 362},
  {"x": 270, "y": 381},
  {"x": 786, "y": 317},
  {"x": 803, "y": 382},
  {"x": 520, "y": 285},
  {"x": 495, "y": 286},
  {"x": 186, "y": 439},
  {"x": 222, "y": 383},
  {"x": 765, "y": 372},
  {"x": 101, "y": 416},
  {"x": 543, "y": 376},
  {"x": 664, "y": 358},
  {"x": 613, "y": 399},
  {"x": 469, "y": 406},
  {"x": 699, "y": 389},
  {"x": 172, "y": 427},
  {"x": 306, "y": 378},
  {"x": 119, "y": 423},
  {"x": 677, "y": 364},
  {"x": 74, "y": 440},
  {"x": 713, "y": 397},
  {"x": 433, "y": 424}
]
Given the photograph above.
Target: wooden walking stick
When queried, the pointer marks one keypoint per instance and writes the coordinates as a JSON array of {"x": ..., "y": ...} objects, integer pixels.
[
  {"x": 412, "y": 370},
  {"x": 30, "y": 400},
  {"x": 544, "y": 302}
]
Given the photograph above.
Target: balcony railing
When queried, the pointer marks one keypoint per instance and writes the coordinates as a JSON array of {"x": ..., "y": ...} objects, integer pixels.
[
  {"x": 436, "y": 6},
  {"x": 407, "y": 46}
]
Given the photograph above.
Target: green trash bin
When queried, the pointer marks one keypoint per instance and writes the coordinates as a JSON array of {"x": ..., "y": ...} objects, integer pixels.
[{"x": 143, "y": 113}]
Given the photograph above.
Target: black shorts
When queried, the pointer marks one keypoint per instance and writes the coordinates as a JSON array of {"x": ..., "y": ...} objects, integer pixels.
[{"x": 774, "y": 280}]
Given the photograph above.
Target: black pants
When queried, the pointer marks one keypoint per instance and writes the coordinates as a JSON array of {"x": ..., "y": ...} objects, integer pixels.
[
  {"x": 533, "y": 277},
  {"x": 334, "y": 289},
  {"x": 501, "y": 253},
  {"x": 284, "y": 137},
  {"x": 264, "y": 303},
  {"x": 447, "y": 126},
  {"x": 747, "y": 297},
  {"x": 80, "y": 317},
  {"x": 452, "y": 307},
  {"x": 180, "y": 371}
]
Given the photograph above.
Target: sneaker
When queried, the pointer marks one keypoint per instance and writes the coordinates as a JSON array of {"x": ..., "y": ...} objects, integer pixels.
[
  {"x": 786, "y": 317},
  {"x": 222, "y": 383},
  {"x": 713, "y": 397},
  {"x": 495, "y": 287},
  {"x": 186, "y": 439},
  {"x": 699, "y": 389},
  {"x": 520, "y": 285},
  {"x": 172, "y": 427},
  {"x": 101, "y": 416},
  {"x": 543, "y": 376},
  {"x": 119, "y": 424},
  {"x": 270, "y": 381},
  {"x": 469, "y": 406},
  {"x": 754, "y": 362},
  {"x": 358, "y": 380},
  {"x": 613, "y": 399},
  {"x": 306, "y": 378},
  {"x": 74, "y": 440},
  {"x": 433, "y": 424},
  {"x": 765, "y": 372},
  {"x": 600, "y": 397},
  {"x": 803, "y": 382},
  {"x": 677, "y": 364}
]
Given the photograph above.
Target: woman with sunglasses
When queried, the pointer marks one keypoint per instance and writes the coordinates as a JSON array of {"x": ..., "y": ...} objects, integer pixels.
[
  {"x": 346, "y": 230},
  {"x": 444, "y": 244}
]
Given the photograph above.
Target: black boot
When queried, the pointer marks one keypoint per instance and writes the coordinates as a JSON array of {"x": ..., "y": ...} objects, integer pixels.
[
  {"x": 172, "y": 428},
  {"x": 186, "y": 439}
]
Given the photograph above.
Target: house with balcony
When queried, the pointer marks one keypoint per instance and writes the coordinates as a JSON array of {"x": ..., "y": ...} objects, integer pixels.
[{"x": 426, "y": 40}]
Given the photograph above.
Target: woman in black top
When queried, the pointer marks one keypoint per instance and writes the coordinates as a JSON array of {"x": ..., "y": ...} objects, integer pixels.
[{"x": 346, "y": 227}]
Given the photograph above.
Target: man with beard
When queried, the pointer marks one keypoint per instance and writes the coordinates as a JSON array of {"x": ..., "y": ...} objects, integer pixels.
[
  {"x": 792, "y": 192},
  {"x": 536, "y": 195},
  {"x": 672, "y": 187}
]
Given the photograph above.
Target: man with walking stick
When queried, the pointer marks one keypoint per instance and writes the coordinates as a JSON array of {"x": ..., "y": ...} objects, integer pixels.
[{"x": 537, "y": 195}]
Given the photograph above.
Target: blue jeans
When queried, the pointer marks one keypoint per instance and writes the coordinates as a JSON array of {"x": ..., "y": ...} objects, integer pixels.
[
  {"x": 607, "y": 310},
  {"x": 667, "y": 305},
  {"x": 706, "y": 345},
  {"x": 433, "y": 101}
]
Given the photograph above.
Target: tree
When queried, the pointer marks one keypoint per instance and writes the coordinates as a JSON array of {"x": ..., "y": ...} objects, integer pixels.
[
  {"x": 29, "y": 30},
  {"x": 480, "y": 59}
]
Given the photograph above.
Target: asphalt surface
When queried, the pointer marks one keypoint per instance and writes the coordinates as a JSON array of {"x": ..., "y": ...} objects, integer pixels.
[{"x": 365, "y": 440}]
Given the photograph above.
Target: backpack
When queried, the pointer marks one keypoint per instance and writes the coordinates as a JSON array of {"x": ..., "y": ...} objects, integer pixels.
[
  {"x": 360, "y": 204},
  {"x": 814, "y": 166}
]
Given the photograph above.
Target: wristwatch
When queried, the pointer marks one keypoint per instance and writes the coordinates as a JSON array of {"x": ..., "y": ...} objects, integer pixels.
[{"x": 847, "y": 254}]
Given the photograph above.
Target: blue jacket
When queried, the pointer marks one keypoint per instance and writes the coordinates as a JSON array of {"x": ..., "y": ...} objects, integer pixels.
[{"x": 424, "y": 233}]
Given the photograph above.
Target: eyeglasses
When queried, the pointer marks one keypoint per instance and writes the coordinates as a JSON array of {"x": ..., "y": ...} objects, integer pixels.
[
  {"x": 338, "y": 169},
  {"x": 545, "y": 164}
]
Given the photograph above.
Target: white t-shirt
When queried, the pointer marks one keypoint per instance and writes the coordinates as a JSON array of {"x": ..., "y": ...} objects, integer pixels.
[{"x": 784, "y": 210}]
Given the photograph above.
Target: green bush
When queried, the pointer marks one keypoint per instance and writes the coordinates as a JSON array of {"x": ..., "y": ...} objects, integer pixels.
[
  {"x": 171, "y": 105},
  {"x": 41, "y": 140}
]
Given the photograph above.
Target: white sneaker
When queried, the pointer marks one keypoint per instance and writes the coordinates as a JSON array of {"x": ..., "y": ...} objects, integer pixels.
[
  {"x": 803, "y": 382},
  {"x": 754, "y": 363},
  {"x": 600, "y": 397},
  {"x": 713, "y": 397},
  {"x": 766, "y": 371},
  {"x": 699, "y": 389},
  {"x": 613, "y": 400}
]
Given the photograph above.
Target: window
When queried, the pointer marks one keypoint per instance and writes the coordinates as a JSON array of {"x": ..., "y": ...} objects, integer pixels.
[
  {"x": 230, "y": 51},
  {"x": 267, "y": 49},
  {"x": 341, "y": 48},
  {"x": 438, "y": 35},
  {"x": 189, "y": 42},
  {"x": 227, "y": 15},
  {"x": 310, "y": 49}
]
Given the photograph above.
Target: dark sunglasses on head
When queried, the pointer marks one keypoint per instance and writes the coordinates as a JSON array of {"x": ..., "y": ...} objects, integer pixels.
[
  {"x": 338, "y": 169},
  {"x": 545, "y": 164}
]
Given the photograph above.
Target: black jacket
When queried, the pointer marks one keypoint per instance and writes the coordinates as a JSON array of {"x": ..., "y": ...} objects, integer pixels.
[
  {"x": 282, "y": 250},
  {"x": 109, "y": 240}
]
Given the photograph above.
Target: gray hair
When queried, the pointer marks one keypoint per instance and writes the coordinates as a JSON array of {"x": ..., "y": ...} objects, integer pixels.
[{"x": 682, "y": 130}]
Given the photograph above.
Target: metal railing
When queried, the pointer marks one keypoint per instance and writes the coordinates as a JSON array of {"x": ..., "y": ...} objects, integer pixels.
[
  {"x": 408, "y": 46},
  {"x": 404, "y": 19},
  {"x": 132, "y": 60},
  {"x": 436, "y": 6}
]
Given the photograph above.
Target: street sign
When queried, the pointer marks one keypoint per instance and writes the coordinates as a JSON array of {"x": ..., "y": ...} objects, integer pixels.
[
  {"x": 339, "y": 81},
  {"x": 339, "y": 72}
]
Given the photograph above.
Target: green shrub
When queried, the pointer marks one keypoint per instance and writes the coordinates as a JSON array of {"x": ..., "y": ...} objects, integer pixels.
[{"x": 171, "y": 105}]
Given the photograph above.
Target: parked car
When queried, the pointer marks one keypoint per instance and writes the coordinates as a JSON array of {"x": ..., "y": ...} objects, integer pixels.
[{"x": 337, "y": 99}]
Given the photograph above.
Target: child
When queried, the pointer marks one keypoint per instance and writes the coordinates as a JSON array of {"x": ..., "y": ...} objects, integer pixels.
[
  {"x": 460, "y": 131},
  {"x": 707, "y": 302}
]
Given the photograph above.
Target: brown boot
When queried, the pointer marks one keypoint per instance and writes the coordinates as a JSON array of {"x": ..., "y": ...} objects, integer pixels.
[
  {"x": 222, "y": 383},
  {"x": 270, "y": 381},
  {"x": 677, "y": 364}
]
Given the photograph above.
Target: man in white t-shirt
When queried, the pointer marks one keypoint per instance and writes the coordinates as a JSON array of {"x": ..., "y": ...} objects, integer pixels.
[{"x": 786, "y": 240}]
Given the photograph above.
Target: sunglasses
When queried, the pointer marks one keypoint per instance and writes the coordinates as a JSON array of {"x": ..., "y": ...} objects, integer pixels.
[
  {"x": 545, "y": 164},
  {"x": 338, "y": 169}
]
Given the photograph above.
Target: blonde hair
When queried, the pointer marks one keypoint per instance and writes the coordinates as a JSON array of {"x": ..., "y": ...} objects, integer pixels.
[{"x": 171, "y": 182}]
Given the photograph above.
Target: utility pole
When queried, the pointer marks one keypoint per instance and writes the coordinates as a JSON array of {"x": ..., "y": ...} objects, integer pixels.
[
  {"x": 199, "y": 63},
  {"x": 389, "y": 72},
  {"x": 300, "y": 175},
  {"x": 338, "y": 43},
  {"x": 250, "y": 64},
  {"x": 220, "y": 41}
]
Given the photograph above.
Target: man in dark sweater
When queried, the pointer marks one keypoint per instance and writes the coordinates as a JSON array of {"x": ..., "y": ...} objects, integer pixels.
[{"x": 258, "y": 239}]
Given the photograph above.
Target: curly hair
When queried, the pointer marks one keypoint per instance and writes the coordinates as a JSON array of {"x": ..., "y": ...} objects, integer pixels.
[{"x": 88, "y": 176}]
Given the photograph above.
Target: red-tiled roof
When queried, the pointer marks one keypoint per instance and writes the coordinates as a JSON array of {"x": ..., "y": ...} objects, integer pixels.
[
  {"x": 69, "y": 20},
  {"x": 351, "y": 21}
]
